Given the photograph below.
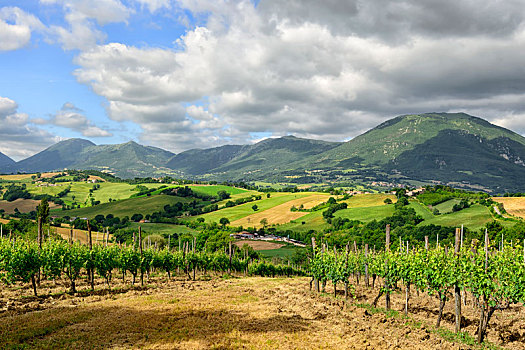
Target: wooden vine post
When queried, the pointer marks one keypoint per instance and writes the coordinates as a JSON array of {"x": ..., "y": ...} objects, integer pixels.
[
  {"x": 91, "y": 269},
  {"x": 39, "y": 239},
  {"x": 387, "y": 248},
  {"x": 140, "y": 249},
  {"x": 316, "y": 281},
  {"x": 346, "y": 268},
  {"x": 70, "y": 236},
  {"x": 230, "y": 255},
  {"x": 457, "y": 290},
  {"x": 366, "y": 266}
]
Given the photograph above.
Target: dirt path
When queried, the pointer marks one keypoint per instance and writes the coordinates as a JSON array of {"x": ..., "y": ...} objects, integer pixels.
[{"x": 245, "y": 313}]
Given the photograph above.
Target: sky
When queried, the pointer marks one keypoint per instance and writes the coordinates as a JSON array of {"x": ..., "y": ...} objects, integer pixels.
[{"x": 183, "y": 74}]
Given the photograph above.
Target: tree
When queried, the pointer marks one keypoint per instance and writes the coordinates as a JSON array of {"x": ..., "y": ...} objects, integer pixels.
[
  {"x": 267, "y": 195},
  {"x": 264, "y": 222},
  {"x": 43, "y": 210},
  {"x": 255, "y": 207},
  {"x": 224, "y": 221},
  {"x": 223, "y": 195},
  {"x": 388, "y": 201},
  {"x": 136, "y": 217}
]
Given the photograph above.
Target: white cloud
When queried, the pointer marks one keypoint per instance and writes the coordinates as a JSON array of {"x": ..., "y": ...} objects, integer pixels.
[
  {"x": 327, "y": 70},
  {"x": 16, "y": 27},
  {"x": 154, "y": 5},
  {"x": 71, "y": 117},
  {"x": 82, "y": 17},
  {"x": 19, "y": 138}
]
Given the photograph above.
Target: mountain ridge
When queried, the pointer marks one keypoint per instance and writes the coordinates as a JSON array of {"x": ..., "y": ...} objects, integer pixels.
[{"x": 448, "y": 148}]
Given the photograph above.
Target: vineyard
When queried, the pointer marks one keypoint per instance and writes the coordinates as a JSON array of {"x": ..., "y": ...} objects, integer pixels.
[
  {"x": 29, "y": 262},
  {"x": 481, "y": 278},
  {"x": 494, "y": 279}
]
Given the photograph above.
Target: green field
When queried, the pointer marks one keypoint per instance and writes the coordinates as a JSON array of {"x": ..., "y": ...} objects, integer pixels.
[
  {"x": 366, "y": 214},
  {"x": 157, "y": 228},
  {"x": 475, "y": 218},
  {"x": 421, "y": 210},
  {"x": 126, "y": 207},
  {"x": 312, "y": 221},
  {"x": 212, "y": 190},
  {"x": 240, "y": 211},
  {"x": 446, "y": 207},
  {"x": 284, "y": 252}
]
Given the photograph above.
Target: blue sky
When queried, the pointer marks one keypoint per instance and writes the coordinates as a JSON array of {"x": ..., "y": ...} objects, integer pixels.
[{"x": 181, "y": 74}]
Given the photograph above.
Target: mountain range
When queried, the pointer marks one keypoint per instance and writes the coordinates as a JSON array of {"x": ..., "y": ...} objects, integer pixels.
[{"x": 449, "y": 148}]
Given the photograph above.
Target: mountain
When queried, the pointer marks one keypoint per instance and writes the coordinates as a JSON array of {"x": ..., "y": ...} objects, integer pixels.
[
  {"x": 453, "y": 148},
  {"x": 449, "y": 148},
  {"x": 5, "y": 161},
  {"x": 267, "y": 157},
  {"x": 56, "y": 157},
  {"x": 124, "y": 160}
]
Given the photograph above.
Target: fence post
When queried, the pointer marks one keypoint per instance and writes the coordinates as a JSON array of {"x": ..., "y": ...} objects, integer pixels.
[
  {"x": 457, "y": 291},
  {"x": 140, "y": 249},
  {"x": 387, "y": 248},
  {"x": 316, "y": 281}
]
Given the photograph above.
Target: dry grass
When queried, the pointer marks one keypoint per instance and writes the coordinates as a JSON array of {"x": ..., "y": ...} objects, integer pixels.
[
  {"x": 18, "y": 177},
  {"x": 513, "y": 205},
  {"x": 259, "y": 245},
  {"x": 248, "y": 313},
  {"x": 369, "y": 200},
  {"x": 281, "y": 214},
  {"x": 23, "y": 205},
  {"x": 78, "y": 235}
]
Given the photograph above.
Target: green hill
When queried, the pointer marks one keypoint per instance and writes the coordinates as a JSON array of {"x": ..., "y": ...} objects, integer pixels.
[{"x": 125, "y": 207}]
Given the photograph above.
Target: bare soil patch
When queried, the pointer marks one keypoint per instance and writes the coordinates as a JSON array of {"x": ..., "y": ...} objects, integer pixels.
[
  {"x": 244, "y": 313},
  {"x": 23, "y": 205},
  {"x": 259, "y": 245}
]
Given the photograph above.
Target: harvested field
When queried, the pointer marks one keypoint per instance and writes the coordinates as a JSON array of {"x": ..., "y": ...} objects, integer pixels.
[
  {"x": 513, "y": 205},
  {"x": 23, "y": 205},
  {"x": 78, "y": 235},
  {"x": 259, "y": 245},
  {"x": 281, "y": 214},
  {"x": 245, "y": 313}
]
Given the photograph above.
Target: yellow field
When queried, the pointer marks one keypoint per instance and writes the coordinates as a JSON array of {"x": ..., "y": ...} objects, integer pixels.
[
  {"x": 23, "y": 205},
  {"x": 16, "y": 177},
  {"x": 369, "y": 200},
  {"x": 281, "y": 214},
  {"x": 513, "y": 205},
  {"x": 78, "y": 235},
  {"x": 19, "y": 177}
]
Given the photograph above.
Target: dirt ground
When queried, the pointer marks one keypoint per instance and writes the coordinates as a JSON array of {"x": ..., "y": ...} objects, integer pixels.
[
  {"x": 259, "y": 245},
  {"x": 23, "y": 205},
  {"x": 238, "y": 313}
]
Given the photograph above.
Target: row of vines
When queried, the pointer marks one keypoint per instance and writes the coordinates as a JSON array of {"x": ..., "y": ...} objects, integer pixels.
[
  {"x": 28, "y": 262},
  {"x": 494, "y": 278}
]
